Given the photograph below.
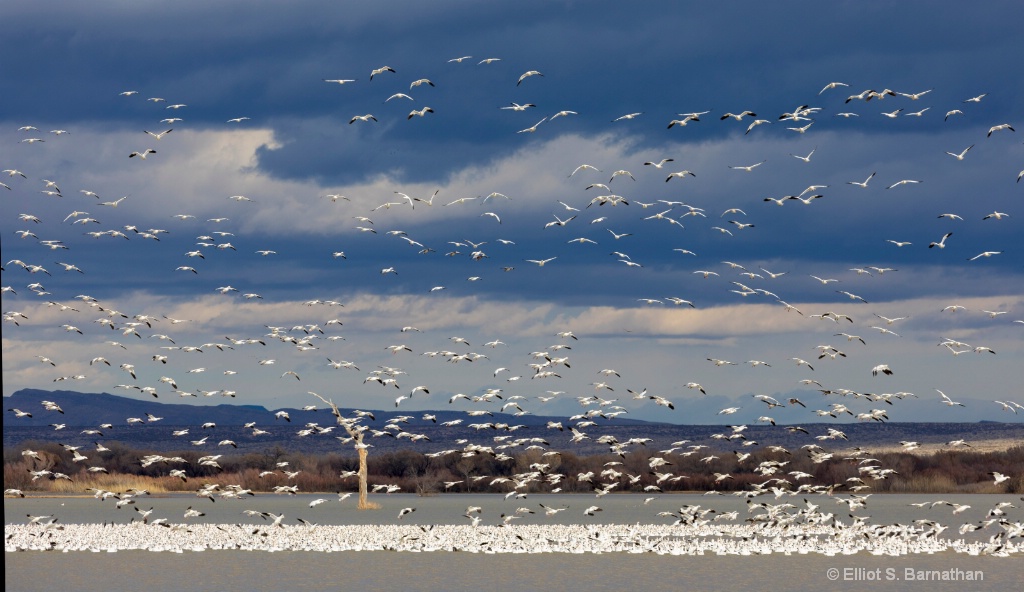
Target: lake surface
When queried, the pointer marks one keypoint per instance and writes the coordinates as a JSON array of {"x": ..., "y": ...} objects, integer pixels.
[{"x": 371, "y": 570}]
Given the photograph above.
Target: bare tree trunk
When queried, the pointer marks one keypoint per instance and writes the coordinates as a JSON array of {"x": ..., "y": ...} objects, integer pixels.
[
  {"x": 363, "y": 504},
  {"x": 357, "y": 436}
]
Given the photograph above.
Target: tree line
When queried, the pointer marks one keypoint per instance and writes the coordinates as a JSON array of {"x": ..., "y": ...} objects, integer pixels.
[{"x": 948, "y": 471}]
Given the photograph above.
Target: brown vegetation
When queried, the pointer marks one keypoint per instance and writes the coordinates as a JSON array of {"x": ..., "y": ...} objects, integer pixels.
[{"x": 963, "y": 471}]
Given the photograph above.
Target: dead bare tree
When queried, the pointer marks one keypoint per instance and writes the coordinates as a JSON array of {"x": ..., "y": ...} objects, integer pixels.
[{"x": 352, "y": 427}]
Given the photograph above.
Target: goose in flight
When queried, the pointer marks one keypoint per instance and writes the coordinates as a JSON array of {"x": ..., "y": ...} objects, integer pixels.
[
  {"x": 541, "y": 262},
  {"x": 718, "y": 362},
  {"x": 628, "y": 116},
  {"x": 367, "y": 117},
  {"x": 142, "y": 155},
  {"x": 381, "y": 70},
  {"x": 807, "y": 158},
  {"x": 1000, "y": 127},
  {"x": 576, "y": 170},
  {"x": 985, "y": 254},
  {"x": 806, "y": 201},
  {"x": 518, "y": 107},
  {"x": 802, "y": 362},
  {"x": 863, "y": 184},
  {"x": 532, "y": 128},
  {"x": 680, "y": 174},
  {"x": 889, "y": 321},
  {"x": 754, "y": 124},
  {"x": 881, "y": 368},
  {"x": 947, "y": 401},
  {"x": 559, "y": 222},
  {"x": 114, "y": 203},
  {"x": 852, "y": 296},
  {"x": 942, "y": 241},
  {"x": 832, "y": 85},
  {"x": 737, "y": 116},
  {"x": 749, "y": 168},
  {"x": 681, "y": 122},
  {"x": 903, "y": 182},
  {"x": 159, "y": 135},
  {"x": 416, "y": 83},
  {"x": 527, "y": 75},
  {"x": 420, "y": 112},
  {"x": 961, "y": 155}
]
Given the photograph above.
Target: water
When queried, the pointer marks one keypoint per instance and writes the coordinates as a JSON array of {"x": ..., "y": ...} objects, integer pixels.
[
  {"x": 372, "y": 570},
  {"x": 455, "y": 572},
  {"x": 449, "y": 509}
]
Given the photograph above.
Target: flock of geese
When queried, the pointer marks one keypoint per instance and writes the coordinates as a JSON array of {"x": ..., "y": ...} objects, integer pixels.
[{"x": 148, "y": 344}]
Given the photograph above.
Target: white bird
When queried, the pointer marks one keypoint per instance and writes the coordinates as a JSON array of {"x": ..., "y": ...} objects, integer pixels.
[
  {"x": 903, "y": 182},
  {"x": 947, "y": 401},
  {"x": 380, "y": 70},
  {"x": 577, "y": 169},
  {"x": 527, "y": 75},
  {"x": 832, "y": 85},
  {"x": 942, "y": 241},
  {"x": 532, "y": 128},
  {"x": 1002, "y": 126},
  {"x": 142, "y": 155},
  {"x": 962, "y": 154},
  {"x": 420, "y": 112},
  {"x": 518, "y": 107},
  {"x": 805, "y": 158},
  {"x": 748, "y": 168},
  {"x": 680, "y": 174}
]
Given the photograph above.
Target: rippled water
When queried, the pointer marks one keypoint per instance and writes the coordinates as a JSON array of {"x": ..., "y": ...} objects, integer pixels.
[
  {"x": 380, "y": 570},
  {"x": 449, "y": 509}
]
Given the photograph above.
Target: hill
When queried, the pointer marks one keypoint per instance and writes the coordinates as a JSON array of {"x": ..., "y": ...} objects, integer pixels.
[{"x": 89, "y": 410}]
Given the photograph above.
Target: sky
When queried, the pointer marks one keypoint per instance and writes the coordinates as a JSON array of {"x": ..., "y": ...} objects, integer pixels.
[{"x": 464, "y": 263}]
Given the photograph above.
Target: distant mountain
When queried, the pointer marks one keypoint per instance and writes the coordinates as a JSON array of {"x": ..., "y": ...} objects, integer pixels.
[
  {"x": 89, "y": 410},
  {"x": 93, "y": 409}
]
